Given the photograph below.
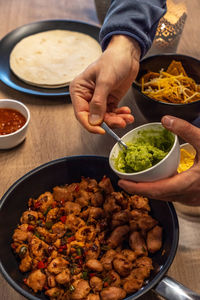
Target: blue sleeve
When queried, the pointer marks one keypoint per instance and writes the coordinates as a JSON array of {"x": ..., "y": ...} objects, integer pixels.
[{"x": 135, "y": 18}]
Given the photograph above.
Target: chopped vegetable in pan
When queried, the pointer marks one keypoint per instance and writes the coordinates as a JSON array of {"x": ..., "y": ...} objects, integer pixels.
[{"x": 85, "y": 241}]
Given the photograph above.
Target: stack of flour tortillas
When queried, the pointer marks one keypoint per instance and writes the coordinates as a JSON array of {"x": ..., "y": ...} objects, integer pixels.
[{"x": 51, "y": 59}]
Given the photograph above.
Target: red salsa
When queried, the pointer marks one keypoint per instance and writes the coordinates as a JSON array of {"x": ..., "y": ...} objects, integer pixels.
[{"x": 10, "y": 120}]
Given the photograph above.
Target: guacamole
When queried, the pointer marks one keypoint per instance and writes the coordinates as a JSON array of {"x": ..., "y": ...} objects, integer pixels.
[{"x": 147, "y": 149}]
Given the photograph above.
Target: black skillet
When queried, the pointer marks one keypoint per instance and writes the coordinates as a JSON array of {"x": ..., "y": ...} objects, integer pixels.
[{"x": 68, "y": 170}]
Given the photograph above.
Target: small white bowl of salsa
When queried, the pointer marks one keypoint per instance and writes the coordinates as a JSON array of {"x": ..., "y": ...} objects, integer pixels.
[{"x": 14, "y": 121}]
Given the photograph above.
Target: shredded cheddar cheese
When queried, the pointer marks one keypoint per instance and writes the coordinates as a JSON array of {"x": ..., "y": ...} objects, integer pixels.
[
  {"x": 172, "y": 86},
  {"x": 186, "y": 160}
]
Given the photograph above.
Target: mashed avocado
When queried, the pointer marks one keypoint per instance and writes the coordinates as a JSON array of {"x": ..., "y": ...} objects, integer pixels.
[{"x": 146, "y": 150}]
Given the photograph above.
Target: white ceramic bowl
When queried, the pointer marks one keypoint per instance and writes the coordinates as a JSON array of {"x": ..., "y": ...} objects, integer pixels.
[
  {"x": 13, "y": 139},
  {"x": 186, "y": 163},
  {"x": 163, "y": 169},
  {"x": 188, "y": 147}
]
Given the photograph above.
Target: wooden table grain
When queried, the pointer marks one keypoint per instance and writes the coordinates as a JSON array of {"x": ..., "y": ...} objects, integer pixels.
[{"x": 54, "y": 131}]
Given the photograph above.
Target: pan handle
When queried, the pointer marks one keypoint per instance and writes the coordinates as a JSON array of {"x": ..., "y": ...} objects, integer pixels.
[{"x": 171, "y": 289}]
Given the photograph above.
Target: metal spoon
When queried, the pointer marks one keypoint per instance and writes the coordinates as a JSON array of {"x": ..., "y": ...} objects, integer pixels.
[{"x": 113, "y": 134}]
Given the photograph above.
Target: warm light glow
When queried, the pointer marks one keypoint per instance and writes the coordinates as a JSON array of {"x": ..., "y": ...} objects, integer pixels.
[{"x": 162, "y": 26}]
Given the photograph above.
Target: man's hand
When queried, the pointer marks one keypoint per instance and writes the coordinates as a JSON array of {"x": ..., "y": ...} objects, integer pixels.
[
  {"x": 183, "y": 187},
  {"x": 96, "y": 92}
]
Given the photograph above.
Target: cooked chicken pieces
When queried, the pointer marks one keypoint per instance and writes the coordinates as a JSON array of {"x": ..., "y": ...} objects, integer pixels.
[
  {"x": 36, "y": 280},
  {"x": 154, "y": 239},
  {"x": 137, "y": 243},
  {"x": 85, "y": 241},
  {"x": 118, "y": 235},
  {"x": 94, "y": 265},
  {"x": 96, "y": 284},
  {"x": 81, "y": 290},
  {"x": 57, "y": 265},
  {"x": 113, "y": 293}
]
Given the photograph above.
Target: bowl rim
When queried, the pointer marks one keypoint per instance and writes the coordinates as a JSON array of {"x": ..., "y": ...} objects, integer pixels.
[
  {"x": 161, "y": 55},
  {"x": 154, "y": 166},
  {"x": 27, "y": 118},
  {"x": 186, "y": 145}
]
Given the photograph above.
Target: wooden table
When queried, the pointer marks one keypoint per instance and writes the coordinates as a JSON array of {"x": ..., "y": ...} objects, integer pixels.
[{"x": 54, "y": 131}]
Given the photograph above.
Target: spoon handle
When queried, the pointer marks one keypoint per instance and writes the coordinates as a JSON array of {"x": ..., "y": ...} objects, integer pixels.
[{"x": 113, "y": 134}]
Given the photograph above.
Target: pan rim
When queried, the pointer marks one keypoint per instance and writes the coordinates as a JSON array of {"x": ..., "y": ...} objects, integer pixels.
[{"x": 145, "y": 288}]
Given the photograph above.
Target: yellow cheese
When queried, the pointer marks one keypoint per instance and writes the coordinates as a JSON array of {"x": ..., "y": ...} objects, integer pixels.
[
  {"x": 171, "y": 86},
  {"x": 186, "y": 160}
]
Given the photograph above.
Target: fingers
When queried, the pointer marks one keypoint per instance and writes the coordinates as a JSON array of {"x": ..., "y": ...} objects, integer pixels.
[
  {"x": 81, "y": 93},
  {"x": 94, "y": 99},
  {"x": 83, "y": 119},
  {"x": 166, "y": 189},
  {"x": 119, "y": 117},
  {"x": 118, "y": 120},
  {"x": 98, "y": 104},
  {"x": 122, "y": 110},
  {"x": 184, "y": 129}
]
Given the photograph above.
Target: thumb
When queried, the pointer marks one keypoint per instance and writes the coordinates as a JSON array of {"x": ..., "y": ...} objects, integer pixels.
[
  {"x": 184, "y": 129},
  {"x": 98, "y": 104}
]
